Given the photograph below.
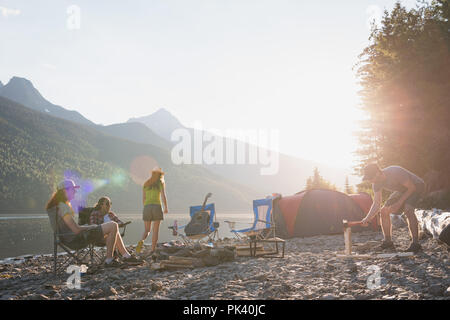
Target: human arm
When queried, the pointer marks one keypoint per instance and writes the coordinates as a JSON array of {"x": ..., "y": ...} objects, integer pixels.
[
  {"x": 164, "y": 198},
  {"x": 374, "y": 209},
  {"x": 68, "y": 220},
  {"x": 115, "y": 218},
  {"x": 66, "y": 214}
]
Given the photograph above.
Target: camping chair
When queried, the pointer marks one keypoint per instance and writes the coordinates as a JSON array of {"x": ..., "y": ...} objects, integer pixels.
[
  {"x": 262, "y": 227},
  {"x": 262, "y": 230},
  {"x": 75, "y": 254},
  {"x": 211, "y": 230},
  {"x": 84, "y": 217}
]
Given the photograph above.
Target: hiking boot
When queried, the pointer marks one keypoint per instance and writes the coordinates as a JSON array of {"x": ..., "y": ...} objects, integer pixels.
[
  {"x": 386, "y": 245},
  {"x": 414, "y": 247},
  {"x": 139, "y": 246}
]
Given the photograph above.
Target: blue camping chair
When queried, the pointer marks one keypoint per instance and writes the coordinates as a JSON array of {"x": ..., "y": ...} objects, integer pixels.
[
  {"x": 210, "y": 231},
  {"x": 262, "y": 232},
  {"x": 263, "y": 226}
]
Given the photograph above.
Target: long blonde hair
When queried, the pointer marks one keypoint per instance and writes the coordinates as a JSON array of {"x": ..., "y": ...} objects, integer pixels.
[
  {"x": 152, "y": 182},
  {"x": 57, "y": 197}
]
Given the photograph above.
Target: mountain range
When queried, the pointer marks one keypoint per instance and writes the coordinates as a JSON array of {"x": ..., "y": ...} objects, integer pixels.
[
  {"x": 291, "y": 175},
  {"x": 162, "y": 122},
  {"x": 84, "y": 142},
  {"x": 22, "y": 91}
]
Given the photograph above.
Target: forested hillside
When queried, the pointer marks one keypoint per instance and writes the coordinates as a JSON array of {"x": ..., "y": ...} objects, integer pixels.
[{"x": 37, "y": 150}]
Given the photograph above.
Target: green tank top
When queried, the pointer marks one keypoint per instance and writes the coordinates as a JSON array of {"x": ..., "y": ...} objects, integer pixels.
[{"x": 153, "y": 195}]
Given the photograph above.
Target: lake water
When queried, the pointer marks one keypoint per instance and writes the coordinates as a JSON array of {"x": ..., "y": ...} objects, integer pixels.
[{"x": 32, "y": 234}]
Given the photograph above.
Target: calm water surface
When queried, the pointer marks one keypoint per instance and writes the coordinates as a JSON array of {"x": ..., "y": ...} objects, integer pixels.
[{"x": 32, "y": 234}]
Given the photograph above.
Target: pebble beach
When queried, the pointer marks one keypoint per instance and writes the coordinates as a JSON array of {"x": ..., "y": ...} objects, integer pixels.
[{"x": 312, "y": 268}]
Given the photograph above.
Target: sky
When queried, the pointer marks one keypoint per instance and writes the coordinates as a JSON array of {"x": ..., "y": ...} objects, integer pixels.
[{"x": 284, "y": 65}]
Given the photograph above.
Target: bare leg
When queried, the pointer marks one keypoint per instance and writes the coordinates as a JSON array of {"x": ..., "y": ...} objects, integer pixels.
[
  {"x": 120, "y": 246},
  {"x": 413, "y": 224},
  {"x": 110, "y": 229},
  {"x": 148, "y": 225},
  {"x": 386, "y": 225},
  {"x": 155, "y": 234}
]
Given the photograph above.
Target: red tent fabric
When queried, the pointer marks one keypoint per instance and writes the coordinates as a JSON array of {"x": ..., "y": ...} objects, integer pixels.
[
  {"x": 315, "y": 212},
  {"x": 363, "y": 199}
]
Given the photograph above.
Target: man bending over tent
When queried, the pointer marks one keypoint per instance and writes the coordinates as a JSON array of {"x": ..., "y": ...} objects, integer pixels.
[{"x": 408, "y": 189}]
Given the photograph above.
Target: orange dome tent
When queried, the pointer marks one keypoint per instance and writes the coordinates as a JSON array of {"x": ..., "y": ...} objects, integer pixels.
[{"x": 318, "y": 212}]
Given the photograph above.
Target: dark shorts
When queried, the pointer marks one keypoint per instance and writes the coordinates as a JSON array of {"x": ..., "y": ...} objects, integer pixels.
[
  {"x": 411, "y": 201},
  {"x": 153, "y": 212},
  {"x": 93, "y": 236}
]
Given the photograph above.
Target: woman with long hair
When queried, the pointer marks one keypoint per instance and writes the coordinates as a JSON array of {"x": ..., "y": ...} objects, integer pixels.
[
  {"x": 153, "y": 191},
  {"x": 75, "y": 235},
  {"x": 102, "y": 212}
]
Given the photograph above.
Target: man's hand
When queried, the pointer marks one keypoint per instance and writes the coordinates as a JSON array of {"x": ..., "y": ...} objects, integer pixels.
[
  {"x": 166, "y": 210},
  {"x": 365, "y": 222}
]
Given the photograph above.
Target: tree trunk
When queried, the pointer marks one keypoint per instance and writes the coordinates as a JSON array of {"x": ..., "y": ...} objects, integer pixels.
[{"x": 435, "y": 222}]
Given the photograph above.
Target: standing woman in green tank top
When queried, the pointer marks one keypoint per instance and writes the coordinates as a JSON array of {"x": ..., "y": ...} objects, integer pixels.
[{"x": 153, "y": 192}]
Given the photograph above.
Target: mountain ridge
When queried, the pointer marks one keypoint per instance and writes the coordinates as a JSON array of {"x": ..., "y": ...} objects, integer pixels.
[
  {"x": 22, "y": 90},
  {"x": 134, "y": 131},
  {"x": 162, "y": 122},
  {"x": 291, "y": 177},
  {"x": 156, "y": 129},
  {"x": 37, "y": 150}
]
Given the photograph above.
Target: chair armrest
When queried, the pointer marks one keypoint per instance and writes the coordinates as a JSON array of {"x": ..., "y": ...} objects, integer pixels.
[
  {"x": 265, "y": 221},
  {"x": 124, "y": 224},
  {"x": 178, "y": 227}
]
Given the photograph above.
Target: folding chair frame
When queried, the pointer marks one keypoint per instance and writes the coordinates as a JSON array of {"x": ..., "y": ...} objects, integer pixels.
[
  {"x": 77, "y": 255},
  {"x": 258, "y": 234},
  {"x": 212, "y": 232}
]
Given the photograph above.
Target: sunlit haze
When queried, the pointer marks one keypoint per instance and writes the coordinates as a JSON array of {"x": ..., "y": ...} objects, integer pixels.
[{"x": 284, "y": 65}]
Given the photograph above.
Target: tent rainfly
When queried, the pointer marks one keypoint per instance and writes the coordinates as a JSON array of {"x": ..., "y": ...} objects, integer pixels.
[{"x": 318, "y": 212}]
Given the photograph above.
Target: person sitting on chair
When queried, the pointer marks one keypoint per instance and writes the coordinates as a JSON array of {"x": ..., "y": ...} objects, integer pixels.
[
  {"x": 102, "y": 213},
  {"x": 75, "y": 235}
]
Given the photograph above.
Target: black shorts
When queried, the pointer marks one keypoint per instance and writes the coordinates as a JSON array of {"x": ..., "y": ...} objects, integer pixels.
[
  {"x": 411, "y": 201},
  {"x": 153, "y": 212}
]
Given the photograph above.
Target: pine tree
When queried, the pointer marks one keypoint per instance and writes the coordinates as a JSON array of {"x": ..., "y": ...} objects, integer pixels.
[
  {"x": 404, "y": 74},
  {"x": 348, "y": 188},
  {"x": 316, "y": 181}
]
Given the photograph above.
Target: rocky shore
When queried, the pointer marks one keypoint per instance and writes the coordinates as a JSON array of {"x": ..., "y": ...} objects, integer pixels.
[{"x": 310, "y": 269}]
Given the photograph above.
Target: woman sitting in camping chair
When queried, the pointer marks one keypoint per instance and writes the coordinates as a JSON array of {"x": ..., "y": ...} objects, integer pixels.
[
  {"x": 75, "y": 235},
  {"x": 102, "y": 213}
]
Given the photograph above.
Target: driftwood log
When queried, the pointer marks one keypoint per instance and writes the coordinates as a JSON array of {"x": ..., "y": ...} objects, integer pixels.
[
  {"x": 435, "y": 222},
  {"x": 171, "y": 258}
]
